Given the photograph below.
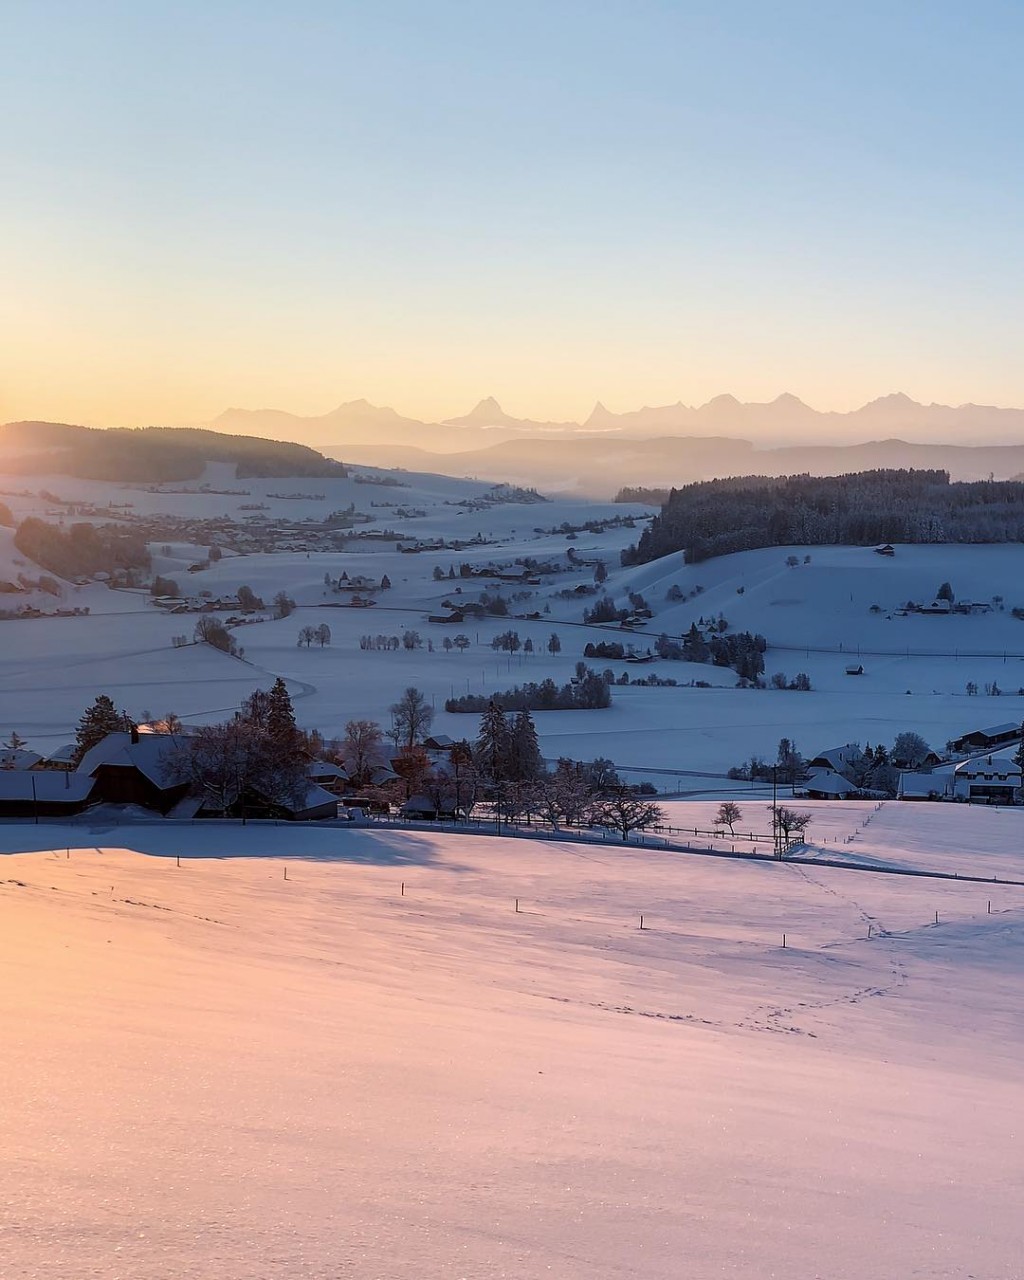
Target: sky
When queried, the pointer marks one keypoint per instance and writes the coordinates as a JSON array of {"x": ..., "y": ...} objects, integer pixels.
[{"x": 208, "y": 204}]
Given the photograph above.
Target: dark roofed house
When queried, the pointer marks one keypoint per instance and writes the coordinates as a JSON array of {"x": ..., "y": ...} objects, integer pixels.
[
  {"x": 34, "y": 794},
  {"x": 997, "y": 735},
  {"x": 134, "y": 768}
]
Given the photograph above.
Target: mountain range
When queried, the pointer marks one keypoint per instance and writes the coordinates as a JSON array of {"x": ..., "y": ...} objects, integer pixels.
[
  {"x": 784, "y": 420},
  {"x": 665, "y": 445}
]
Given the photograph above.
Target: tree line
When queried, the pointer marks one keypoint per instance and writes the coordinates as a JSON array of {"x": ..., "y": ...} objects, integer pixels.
[{"x": 718, "y": 517}]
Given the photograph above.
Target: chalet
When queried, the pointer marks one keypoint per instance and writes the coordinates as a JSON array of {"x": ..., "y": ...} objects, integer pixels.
[
  {"x": 941, "y": 608},
  {"x": 884, "y": 549},
  {"x": 998, "y": 735},
  {"x": 62, "y": 758},
  {"x": 854, "y": 669},
  {"x": 134, "y": 768},
  {"x": 828, "y": 785},
  {"x": 456, "y": 615},
  {"x": 331, "y": 777},
  {"x": 835, "y": 759},
  {"x": 988, "y": 779},
  {"x": 31, "y": 794},
  {"x": 438, "y": 742}
]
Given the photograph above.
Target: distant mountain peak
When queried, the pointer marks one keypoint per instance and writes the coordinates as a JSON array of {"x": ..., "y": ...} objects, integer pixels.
[
  {"x": 894, "y": 400},
  {"x": 600, "y": 416}
]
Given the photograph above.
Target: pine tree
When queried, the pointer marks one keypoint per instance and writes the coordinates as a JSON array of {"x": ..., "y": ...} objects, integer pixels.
[
  {"x": 493, "y": 744},
  {"x": 15, "y": 742},
  {"x": 97, "y": 721},
  {"x": 525, "y": 760},
  {"x": 281, "y": 727}
]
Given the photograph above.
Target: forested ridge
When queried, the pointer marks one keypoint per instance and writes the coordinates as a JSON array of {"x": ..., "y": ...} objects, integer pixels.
[
  {"x": 717, "y": 517},
  {"x": 150, "y": 454}
]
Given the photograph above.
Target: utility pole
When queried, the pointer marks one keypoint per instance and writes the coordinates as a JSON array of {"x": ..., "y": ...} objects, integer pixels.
[{"x": 775, "y": 808}]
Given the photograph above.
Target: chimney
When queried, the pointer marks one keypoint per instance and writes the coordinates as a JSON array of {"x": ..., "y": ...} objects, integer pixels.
[{"x": 135, "y": 733}]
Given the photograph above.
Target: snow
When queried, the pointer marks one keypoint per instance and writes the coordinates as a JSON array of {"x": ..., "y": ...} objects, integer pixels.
[
  {"x": 816, "y": 617},
  {"x": 212, "y": 1071}
]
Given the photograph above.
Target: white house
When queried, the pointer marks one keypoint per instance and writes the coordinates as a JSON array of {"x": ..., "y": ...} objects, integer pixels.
[{"x": 990, "y": 779}]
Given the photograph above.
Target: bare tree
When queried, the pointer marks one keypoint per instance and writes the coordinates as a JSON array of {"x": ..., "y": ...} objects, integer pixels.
[
  {"x": 627, "y": 811},
  {"x": 284, "y": 605},
  {"x": 729, "y": 813},
  {"x": 211, "y": 631},
  {"x": 361, "y": 749},
  {"x": 787, "y": 826},
  {"x": 411, "y": 718}
]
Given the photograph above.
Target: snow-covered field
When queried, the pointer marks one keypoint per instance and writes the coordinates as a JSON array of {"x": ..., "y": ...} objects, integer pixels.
[
  {"x": 213, "y": 1072},
  {"x": 817, "y": 618}
]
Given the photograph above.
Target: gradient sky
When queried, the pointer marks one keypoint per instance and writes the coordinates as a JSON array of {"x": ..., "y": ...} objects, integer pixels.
[{"x": 208, "y": 204}]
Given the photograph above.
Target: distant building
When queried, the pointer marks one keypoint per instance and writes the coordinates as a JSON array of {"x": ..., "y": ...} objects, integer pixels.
[
  {"x": 884, "y": 549},
  {"x": 997, "y": 735},
  {"x": 19, "y": 759}
]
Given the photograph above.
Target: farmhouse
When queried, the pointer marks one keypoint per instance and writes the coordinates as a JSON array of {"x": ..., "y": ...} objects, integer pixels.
[
  {"x": 997, "y": 735},
  {"x": 33, "y": 794},
  {"x": 331, "y": 777},
  {"x": 990, "y": 779},
  {"x": 828, "y": 785},
  {"x": 836, "y": 758},
  {"x": 134, "y": 768}
]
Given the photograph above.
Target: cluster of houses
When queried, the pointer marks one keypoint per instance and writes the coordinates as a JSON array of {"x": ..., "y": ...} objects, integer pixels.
[
  {"x": 140, "y": 768},
  {"x": 979, "y": 769},
  {"x": 946, "y": 608},
  {"x": 136, "y": 768}
]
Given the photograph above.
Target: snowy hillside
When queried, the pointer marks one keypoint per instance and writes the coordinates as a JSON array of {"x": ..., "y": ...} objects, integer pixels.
[
  {"x": 843, "y": 607},
  {"x": 212, "y": 1071}
]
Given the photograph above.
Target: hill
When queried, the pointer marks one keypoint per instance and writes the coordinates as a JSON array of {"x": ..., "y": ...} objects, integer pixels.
[
  {"x": 151, "y": 454},
  {"x": 722, "y": 516}
]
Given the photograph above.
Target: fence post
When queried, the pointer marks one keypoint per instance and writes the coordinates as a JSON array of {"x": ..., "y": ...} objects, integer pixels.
[
  {"x": 517, "y": 906},
  {"x": 783, "y": 942},
  {"x": 641, "y": 922}
]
